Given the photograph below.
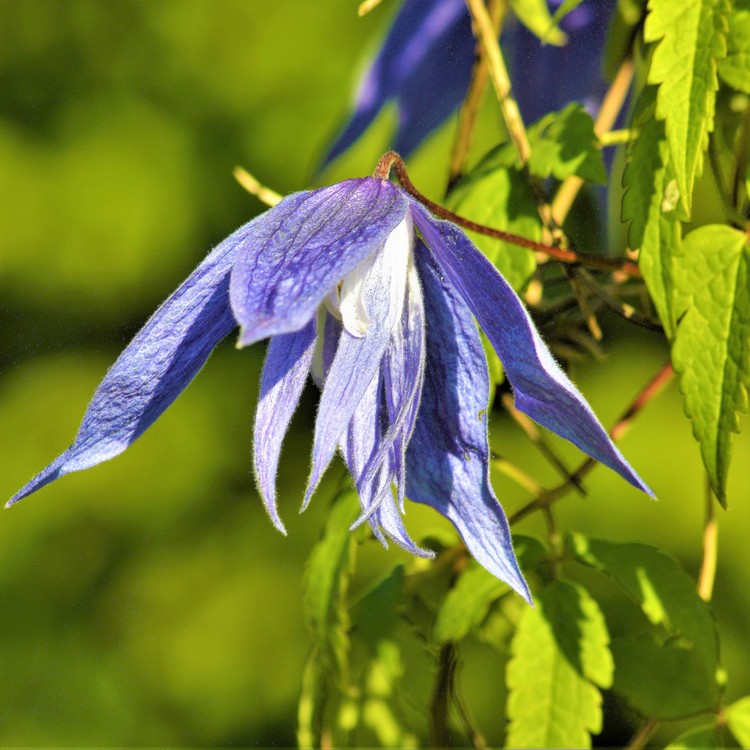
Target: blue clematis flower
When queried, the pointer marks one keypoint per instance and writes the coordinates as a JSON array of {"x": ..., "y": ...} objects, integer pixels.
[
  {"x": 425, "y": 64},
  {"x": 360, "y": 286}
]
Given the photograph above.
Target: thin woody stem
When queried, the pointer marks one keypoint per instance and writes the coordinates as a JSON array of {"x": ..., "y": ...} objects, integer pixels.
[
  {"x": 643, "y": 735},
  {"x": 707, "y": 573},
  {"x": 391, "y": 161},
  {"x": 646, "y": 395},
  {"x": 500, "y": 78}
]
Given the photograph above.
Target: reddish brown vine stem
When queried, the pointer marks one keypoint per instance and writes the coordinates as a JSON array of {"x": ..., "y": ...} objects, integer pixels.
[{"x": 392, "y": 162}]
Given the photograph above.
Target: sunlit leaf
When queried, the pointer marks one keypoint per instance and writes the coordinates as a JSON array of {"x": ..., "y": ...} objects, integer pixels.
[
  {"x": 560, "y": 653},
  {"x": 734, "y": 69},
  {"x": 738, "y": 719},
  {"x": 564, "y": 144},
  {"x": 654, "y": 227},
  {"x": 691, "y": 39},
  {"x": 712, "y": 348}
]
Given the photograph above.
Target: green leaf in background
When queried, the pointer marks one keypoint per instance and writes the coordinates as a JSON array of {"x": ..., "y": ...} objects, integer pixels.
[
  {"x": 702, "y": 737},
  {"x": 495, "y": 193},
  {"x": 563, "y": 144},
  {"x": 626, "y": 19},
  {"x": 567, "y": 6},
  {"x": 535, "y": 16},
  {"x": 646, "y": 676},
  {"x": 734, "y": 69},
  {"x": 375, "y": 615},
  {"x": 325, "y": 584},
  {"x": 738, "y": 720},
  {"x": 667, "y": 596},
  {"x": 560, "y": 653},
  {"x": 467, "y": 603},
  {"x": 648, "y": 205},
  {"x": 712, "y": 347},
  {"x": 690, "y": 36}
]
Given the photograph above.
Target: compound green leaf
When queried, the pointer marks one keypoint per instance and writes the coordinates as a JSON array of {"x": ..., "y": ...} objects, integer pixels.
[
  {"x": 691, "y": 40},
  {"x": 648, "y": 204},
  {"x": 700, "y": 738},
  {"x": 559, "y": 654},
  {"x": 663, "y": 681},
  {"x": 467, "y": 603},
  {"x": 738, "y": 720},
  {"x": 734, "y": 69},
  {"x": 563, "y": 144},
  {"x": 712, "y": 347},
  {"x": 496, "y": 194},
  {"x": 535, "y": 16},
  {"x": 683, "y": 640}
]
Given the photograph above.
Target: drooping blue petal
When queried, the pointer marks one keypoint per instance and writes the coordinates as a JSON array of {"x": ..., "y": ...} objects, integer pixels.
[
  {"x": 541, "y": 389},
  {"x": 403, "y": 370},
  {"x": 155, "y": 367},
  {"x": 284, "y": 375},
  {"x": 303, "y": 247},
  {"x": 361, "y": 442},
  {"x": 447, "y": 458},
  {"x": 425, "y": 64},
  {"x": 358, "y": 357}
]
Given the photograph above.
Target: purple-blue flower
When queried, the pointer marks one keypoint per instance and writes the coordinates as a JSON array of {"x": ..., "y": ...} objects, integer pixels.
[
  {"x": 359, "y": 286},
  {"x": 424, "y": 66}
]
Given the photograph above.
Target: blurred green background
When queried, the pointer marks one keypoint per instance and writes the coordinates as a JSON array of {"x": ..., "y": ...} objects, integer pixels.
[{"x": 149, "y": 601}]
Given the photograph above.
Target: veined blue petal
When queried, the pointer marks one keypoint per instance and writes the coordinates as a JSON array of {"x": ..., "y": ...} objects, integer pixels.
[
  {"x": 303, "y": 247},
  {"x": 363, "y": 438},
  {"x": 358, "y": 358},
  {"x": 541, "y": 389},
  {"x": 156, "y": 366},
  {"x": 448, "y": 455},
  {"x": 425, "y": 62},
  {"x": 284, "y": 375},
  {"x": 403, "y": 370}
]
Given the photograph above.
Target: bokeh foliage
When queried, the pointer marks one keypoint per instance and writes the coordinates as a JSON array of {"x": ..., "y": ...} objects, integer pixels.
[{"x": 149, "y": 601}]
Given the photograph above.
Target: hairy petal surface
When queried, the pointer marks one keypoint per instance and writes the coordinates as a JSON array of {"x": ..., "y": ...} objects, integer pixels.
[
  {"x": 363, "y": 438},
  {"x": 357, "y": 359},
  {"x": 541, "y": 389},
  {"x": 403, "y": 370},
  {"x": 284, "y": 374},
  {"x": 302, "y": 248},
  {"x": 156, "y": 366},
  {"x": 448, "y": 455}
]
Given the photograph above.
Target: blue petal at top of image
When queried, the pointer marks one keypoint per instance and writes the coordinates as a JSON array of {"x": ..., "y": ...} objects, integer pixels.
[
  {"x": 359, "y": 286},
  {"x": 424, "y": 66}
]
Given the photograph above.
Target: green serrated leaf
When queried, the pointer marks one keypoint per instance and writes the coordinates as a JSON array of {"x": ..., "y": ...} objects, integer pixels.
[
  {"x": 560, "y": 652},
  {"x": 535, "y": 16},
  {"x": 691, "y": 40},
  {"x": 563, "y": 144},
  {"x": 655, "y": 582},
  {"x": 734, "y": 69},
  {"x": 687, "y": 645},
  {"x": 467, "y": 603},
  {"x": 712, "y": 347},
  {"x": 648, "y": 205},
  {"x": 738, "y": 720},
  {"x": 646, "y": 676},
  {"x": 495, "y": 193},
  {"x": 702, "y": 737}
]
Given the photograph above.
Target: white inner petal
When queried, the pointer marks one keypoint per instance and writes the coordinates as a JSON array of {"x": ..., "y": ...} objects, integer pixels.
[{"x": 395, "y": 254}]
